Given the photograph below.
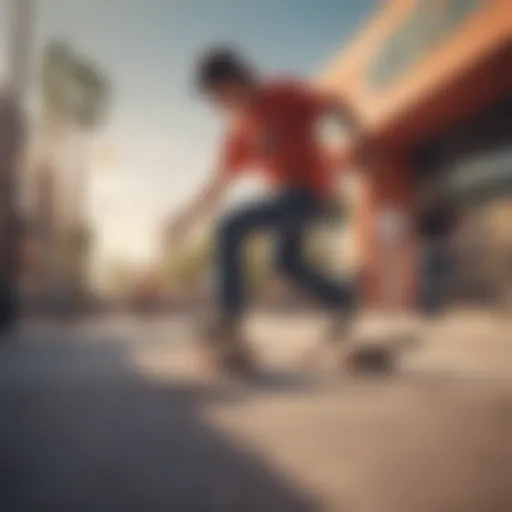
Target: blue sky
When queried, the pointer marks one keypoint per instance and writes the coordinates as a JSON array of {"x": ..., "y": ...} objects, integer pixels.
[{"x": 163, "y": 136}]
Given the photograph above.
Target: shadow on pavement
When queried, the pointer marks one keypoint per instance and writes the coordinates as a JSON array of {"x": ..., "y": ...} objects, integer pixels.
[
  {"x": 283, "y": 381},
  {"x": 81, "y": 430}
]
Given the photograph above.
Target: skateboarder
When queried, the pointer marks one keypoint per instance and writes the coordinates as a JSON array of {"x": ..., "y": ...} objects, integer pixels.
[{"x": 271, "y": 125}]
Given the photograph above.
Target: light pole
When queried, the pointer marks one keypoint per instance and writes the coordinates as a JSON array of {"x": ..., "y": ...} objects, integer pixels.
[{"x": 11, "y": 143}]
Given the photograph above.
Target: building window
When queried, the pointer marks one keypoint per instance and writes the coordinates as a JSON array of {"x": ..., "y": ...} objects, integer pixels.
[
  {"x": 428, "y": 24},
  {"x": 481, "y": 176},
  {"x": 456, "y": 11}
]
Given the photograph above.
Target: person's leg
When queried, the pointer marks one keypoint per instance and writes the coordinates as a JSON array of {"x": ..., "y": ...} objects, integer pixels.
[
  {"x": 288, "y": 215},
  {"x": 233, "y": 229},
  {"x": 339, "y": 297},
  {"x": 291, "y": 262},
  {"x": 224, "y": 336}
]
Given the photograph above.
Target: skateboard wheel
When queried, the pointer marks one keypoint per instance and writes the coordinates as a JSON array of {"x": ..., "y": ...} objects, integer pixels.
[{"x": 370, "y": 361}]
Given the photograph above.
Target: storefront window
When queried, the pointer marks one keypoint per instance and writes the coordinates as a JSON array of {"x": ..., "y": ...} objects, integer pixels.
[
  {"x": 489, "y": 174},
  {"x": 456, "y": 11}
]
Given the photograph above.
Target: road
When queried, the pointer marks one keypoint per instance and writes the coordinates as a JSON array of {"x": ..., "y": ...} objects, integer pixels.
[{"x": 110, "y": 417}]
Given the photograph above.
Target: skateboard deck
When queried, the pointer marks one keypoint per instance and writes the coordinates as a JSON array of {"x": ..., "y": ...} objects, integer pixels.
[
  {"x": 370, "y": 355},
  {"x": 378, "y": 355}
]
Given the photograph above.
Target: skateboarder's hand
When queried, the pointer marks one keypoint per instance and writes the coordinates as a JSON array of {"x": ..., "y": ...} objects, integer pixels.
[
  {"x": 203, "y": 205},
  {"x": 177, "y": 231}
]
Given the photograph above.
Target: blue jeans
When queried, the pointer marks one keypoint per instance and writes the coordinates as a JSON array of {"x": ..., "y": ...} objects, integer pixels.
[{"x": 287, "y": 216}]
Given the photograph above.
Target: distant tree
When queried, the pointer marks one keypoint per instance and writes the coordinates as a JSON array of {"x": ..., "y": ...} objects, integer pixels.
[{"x": 120, "y": 277}]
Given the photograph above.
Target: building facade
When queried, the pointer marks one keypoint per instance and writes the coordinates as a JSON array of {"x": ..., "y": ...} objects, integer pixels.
[{"x": 432, "y": 81}]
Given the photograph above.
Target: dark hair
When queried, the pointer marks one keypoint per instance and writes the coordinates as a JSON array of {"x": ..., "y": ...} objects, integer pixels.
[{"x": 222, "y": 64}]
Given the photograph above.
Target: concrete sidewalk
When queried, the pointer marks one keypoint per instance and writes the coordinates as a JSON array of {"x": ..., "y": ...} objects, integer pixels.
[{"x": 104, "y": 417}]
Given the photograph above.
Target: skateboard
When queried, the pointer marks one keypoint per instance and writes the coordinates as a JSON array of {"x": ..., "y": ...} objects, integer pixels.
[
  {"x": 360, "y": 356},
  {"x": 370, "y": 355},
  {"x": 377, "y": 355},
  {"x": 216, "y": 358}
]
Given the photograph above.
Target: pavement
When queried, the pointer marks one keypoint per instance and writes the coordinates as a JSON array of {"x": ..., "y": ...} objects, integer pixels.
[{"x": 111, "y": 416}]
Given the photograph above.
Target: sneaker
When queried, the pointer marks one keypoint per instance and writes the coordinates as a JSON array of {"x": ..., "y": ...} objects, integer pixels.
[
  {"x": 237, "y": 360},
  {"x": 224, "y": 347},
  {"x": 329, "y": 354},
  {"x": 370, "y": 360}
]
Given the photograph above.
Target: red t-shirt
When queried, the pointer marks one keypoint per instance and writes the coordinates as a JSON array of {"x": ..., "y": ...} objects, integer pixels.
[{"x": 277, "y": 134}]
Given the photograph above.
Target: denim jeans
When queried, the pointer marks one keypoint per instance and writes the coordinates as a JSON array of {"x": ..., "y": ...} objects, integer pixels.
[{"x": 287, "y": 216}]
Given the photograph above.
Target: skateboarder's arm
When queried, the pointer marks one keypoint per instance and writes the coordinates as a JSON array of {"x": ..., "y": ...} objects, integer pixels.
[
  {"x": 203, "y": 204},
  {"x": 359, "y": 147},
  {"x": 356, "y": 144},
  {"x": 234, "y": 158}
]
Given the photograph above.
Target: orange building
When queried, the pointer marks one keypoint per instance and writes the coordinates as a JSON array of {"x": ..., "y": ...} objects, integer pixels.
[{"x": 432, "y": 80}]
